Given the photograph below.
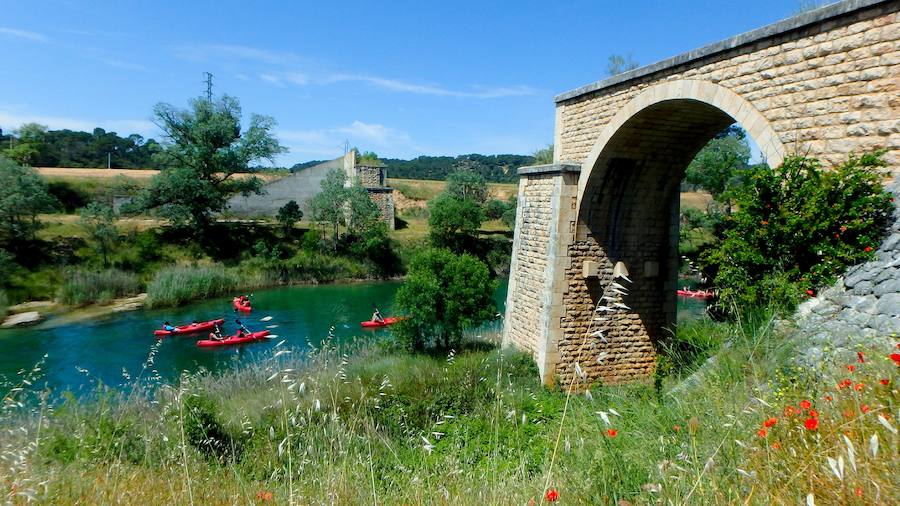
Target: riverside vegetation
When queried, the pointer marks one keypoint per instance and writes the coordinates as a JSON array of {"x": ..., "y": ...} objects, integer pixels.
[{"x": 369, "y": 424}]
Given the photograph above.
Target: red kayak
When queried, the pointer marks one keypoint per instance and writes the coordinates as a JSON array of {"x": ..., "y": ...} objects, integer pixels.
[
  {"x": 241, "y": 303},
  {"x": 697, "y": 294},
  {"x": 385, "y": 323},
  {"x": 191, "y": 328},
  {"x": 230, "y": 340}
]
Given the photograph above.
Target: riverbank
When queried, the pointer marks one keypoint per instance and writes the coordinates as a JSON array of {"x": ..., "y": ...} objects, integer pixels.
[{"x": 363, "y": 423}]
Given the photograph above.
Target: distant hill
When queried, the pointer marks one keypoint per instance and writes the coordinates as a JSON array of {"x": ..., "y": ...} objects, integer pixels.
[
  {"x": 494, "y": 168},
  {"x": 301, "y": 166}
]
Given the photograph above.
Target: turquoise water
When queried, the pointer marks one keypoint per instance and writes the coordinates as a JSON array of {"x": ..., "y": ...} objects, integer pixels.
[{"x": 106, "y": 349}]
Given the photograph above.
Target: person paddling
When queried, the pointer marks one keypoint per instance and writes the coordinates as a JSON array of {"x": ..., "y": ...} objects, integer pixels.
[
  {"x": 217, "y": 333},
  {"x": 168, "y": 327},
  {"x": 376, "y": 316},
  {"x": 242, "y": 330}
]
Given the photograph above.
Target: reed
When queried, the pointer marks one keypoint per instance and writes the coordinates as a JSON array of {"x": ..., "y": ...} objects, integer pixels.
[
  {"x": 172, "y": 286},
  {"x": 82, "y": 286}
]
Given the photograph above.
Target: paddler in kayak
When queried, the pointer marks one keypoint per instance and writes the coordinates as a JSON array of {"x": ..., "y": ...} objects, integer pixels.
[
  {"x": 168, "y": 327},
  {"x": 217, "y": 333},
  {"x": 376, "y": 316},
  {"x": 242, "y": 330}
]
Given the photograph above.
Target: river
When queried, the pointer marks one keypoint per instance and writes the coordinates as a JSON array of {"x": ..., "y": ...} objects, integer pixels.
[{"x": 108, "y": 349}]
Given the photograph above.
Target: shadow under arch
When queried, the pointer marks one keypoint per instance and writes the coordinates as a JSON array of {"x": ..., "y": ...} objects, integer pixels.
[{"x": 628, "y": 206}]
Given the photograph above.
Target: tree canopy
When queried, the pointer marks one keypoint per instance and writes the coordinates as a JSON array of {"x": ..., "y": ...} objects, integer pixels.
[
  {"x": 204, "y": 149},
  {"x": 23, "y": 195},
  {"x": 36, "y": 145},
  {"x": 721, "y": 163}
]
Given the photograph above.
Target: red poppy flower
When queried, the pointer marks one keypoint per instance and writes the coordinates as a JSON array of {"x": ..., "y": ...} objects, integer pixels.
[
  {"x": 828, "y": 398},
  {"x": 805, "y": 404},
  {"x": 858, "y": 492},
  {"x": 552, "y": 495},
  {"x": 764, "y": 222},
  {"x": 264, "y": 496},
  {"x": 790, "y": 411},
  {"x": 867, "y": 249},
  {"x": 776, "y": 445},
  {"x": 811, "y": 423},
  {"x": 810, "y": 293},
  {"x": 770, "y": 422},
  {"x": 846, "y": 383},
  {"x": 885, "y": 381},
  {"x": 848, "y": 413},
  {"x": 762, "y": 433},
  {"x": 896, "y": 358},
  {"x": 612, "y": 432},
  {"x": 851, "y": 367},
  {"x": 860, "y": 358},
  {"x": 864, "y": 408},
  {"x": 859, "y": 386},
  {"x": 677, "y": 428},
  {"x": 814, "y": 414}
]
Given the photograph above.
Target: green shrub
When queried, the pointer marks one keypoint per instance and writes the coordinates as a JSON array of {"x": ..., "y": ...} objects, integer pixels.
[
  {"x": 81, "y": 286},
  {"x": 443, "y": 294},
  {"x": 311, "y": 240},
  {"x": 796, "y": 228},
  {"x": 453, "y": 221},
  {"x": 176, "y": 285}
]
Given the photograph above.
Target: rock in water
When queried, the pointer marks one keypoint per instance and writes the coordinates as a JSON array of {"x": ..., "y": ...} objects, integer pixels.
[{"x": 21, "y": 319}]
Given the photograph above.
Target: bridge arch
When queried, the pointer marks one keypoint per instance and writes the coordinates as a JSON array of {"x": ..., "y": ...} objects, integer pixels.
[{"x": 682, "y": 95}]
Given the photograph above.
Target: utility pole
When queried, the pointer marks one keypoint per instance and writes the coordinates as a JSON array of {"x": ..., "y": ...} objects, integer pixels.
[
  {"x": 209, "y": 85},
  {"x": 346, "y": 146},
  {"x": 108, "y": 160}
]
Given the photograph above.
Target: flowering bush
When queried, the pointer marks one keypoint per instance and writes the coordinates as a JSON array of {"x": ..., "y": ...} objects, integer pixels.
[{"x": 796, "y": 228}]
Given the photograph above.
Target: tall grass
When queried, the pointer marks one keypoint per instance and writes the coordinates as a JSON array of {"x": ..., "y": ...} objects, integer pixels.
[
  {"x": 172, "y": 286},
  {"x": 362, "y": 425},
  {"x": 81, "y": 286}
]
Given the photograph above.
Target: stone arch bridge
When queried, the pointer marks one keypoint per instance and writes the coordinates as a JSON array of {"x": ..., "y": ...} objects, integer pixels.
[{"x": 824, "y": 83}]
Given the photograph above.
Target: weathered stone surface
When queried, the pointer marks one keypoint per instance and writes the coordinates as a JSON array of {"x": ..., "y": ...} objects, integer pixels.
[
  {"x": 21, "y": 319},
  {"x": 824, "y": 87}
]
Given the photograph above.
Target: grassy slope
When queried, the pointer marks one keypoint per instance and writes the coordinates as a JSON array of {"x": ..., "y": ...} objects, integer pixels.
[{"x": 469, "y": 429}]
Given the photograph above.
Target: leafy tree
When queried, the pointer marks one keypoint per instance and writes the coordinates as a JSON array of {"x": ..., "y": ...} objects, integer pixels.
[
  {"x": 494, "y": 168},
  {"x": 339, "y": 204},
  {"x": 797, "y": 227},
  {"x": 443, "y": 294},
  {"x": 453, "y": 220},
  {"x": 467, "y": 184},
  {"x": 100, "y": 222},
  {"x": 543, "y": 156},
  {"x": 617, "y": 64},
  {"x": 720, "y": 164},
  {"x": 288, "y": 215},
  {"x": 205, "y": 149},
  {"x": 23, "y": 195},
  {"x": 329, "y": 205},
  {"x": 30, "y": 145},
  {"x": 7, "y": 267}
]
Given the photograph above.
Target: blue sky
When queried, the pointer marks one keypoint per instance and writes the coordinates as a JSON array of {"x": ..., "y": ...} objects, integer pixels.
[{"x": 399, "y": 78}]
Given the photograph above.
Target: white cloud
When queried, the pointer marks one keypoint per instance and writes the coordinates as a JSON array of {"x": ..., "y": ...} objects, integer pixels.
[
  {"x": 205, "y": 52},
  {"x": 327, "y": 142},
  {"x": 124, "y": 65},
  {"x": 397, "y": 85},
  {"x": 23, "y": 34},
  {"x": 11, "y": 121},
  {"x": 430, "y": 89}
]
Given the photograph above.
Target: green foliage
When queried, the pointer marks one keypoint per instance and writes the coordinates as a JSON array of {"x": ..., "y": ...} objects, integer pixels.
[
  {"x": 7, "y": 267},
  {"x": 796, "y": 228},
  {"x": 617, "y": 64},
  {"x": 721, "y": 163},
  {"x": 288, "y": 215},
  {"x": 37, "y": 146},
  {"x": 443, "y": 294},
  {"x": 338, "y": 204},
  {"x": 311, "y": 240},
  {"x": 70, "y": 196},
  {"x": 23, "y": 195},
  {"x": 466, "y": 184},
  {"x": 100, "y": 223},
  {"x": 494, "y": 168},
  {"x": 696, "y": 231},
  {"x": 543, "y": 156},
  {"x": 82, "y": 286},
  {"x": 452, "y": 220},
  {"x": 173, "y": 286},
  {"x": 203, "y": 430},
  {"x": 205, "y": 149},
  {"x": 304, "y": 267}
]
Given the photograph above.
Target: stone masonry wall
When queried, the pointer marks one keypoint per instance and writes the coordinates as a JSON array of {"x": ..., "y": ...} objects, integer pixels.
[
  {"x": 384, "y": 200},
  {"x": 828, "y": 89},
  {"x": 863, "y": 305},
  {"x": 530, "y": 263}
]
